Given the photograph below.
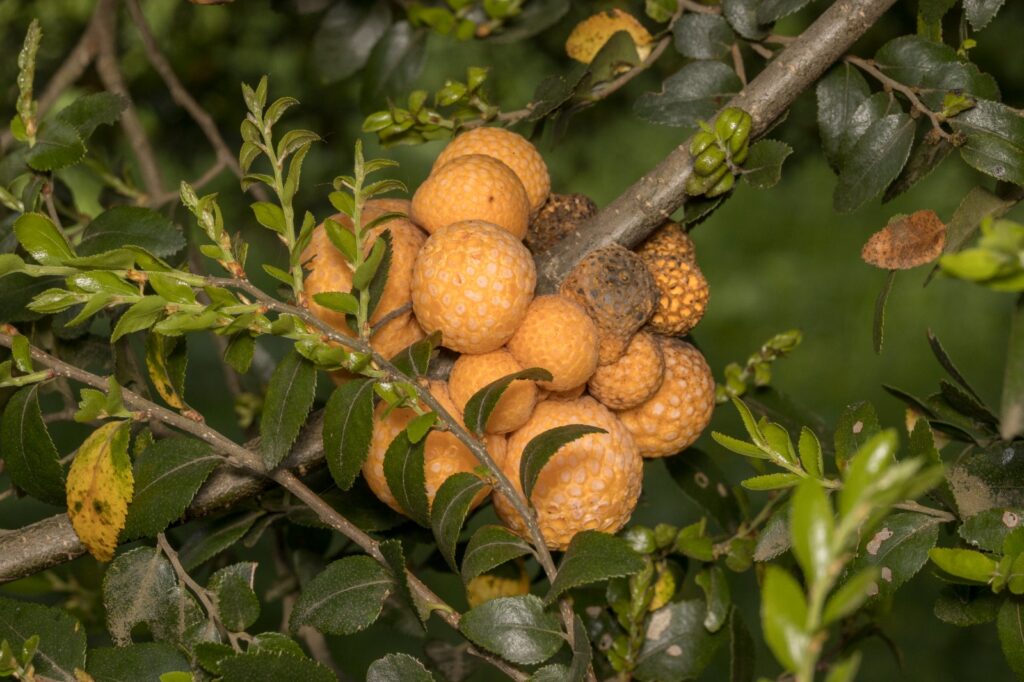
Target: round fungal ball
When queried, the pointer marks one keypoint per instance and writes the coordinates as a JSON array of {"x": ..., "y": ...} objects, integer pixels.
[
  {"x": 560, "y": 216},
  {"x": 512, "y": 149},
  {"x": 592, "y": 483},
  {"x": 559, "y": 336},
  {"x": 443, "y": 455},
  {"x": 674, "y": 417},
  {"x": 633, "y": 378},
  {"x": 617, "y": 291},
  {"x": 470, "y": 373},
  {"x": 473, "y": 281},
  {"x": 683, "y": 290},
  {"x": 473, "y": 187}
]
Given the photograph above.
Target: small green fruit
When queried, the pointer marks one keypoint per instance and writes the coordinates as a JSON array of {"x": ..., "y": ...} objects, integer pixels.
[{"x": 722, "y": 186}]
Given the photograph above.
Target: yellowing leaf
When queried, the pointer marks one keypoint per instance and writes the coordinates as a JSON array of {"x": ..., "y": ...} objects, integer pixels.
[
  {"x": 165, "y": 360},
  {"x": 99, "y": 487},
  {"x": 590, "y": 35}
]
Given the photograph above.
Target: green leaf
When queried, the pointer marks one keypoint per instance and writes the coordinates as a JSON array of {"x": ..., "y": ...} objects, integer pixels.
[
  {"x": 142, "y": 314},
  {"x": 1011, "y": 418},
  {"x": 406, "y": 477},
  {"x": 167, "y": 475},
  {"x": 271, "y": 665},
  {"x": 866, "y": 466},
  {"x": 851, "y": 595},
  {"x": 839, "y": 95},
  {"x": 988, "y": 529},
  {"x": 240, "y": 351},
  {"x": 269, "y": 215},
  {"x": 811, "y": 528},
  {"x": 773, "y": 10},
  {"x": 741, "y": 649},
  {"x": 146, "y": 662},
  {"x": 338, "y": 301},
  {"x": 783, "y": 615},
  {"x": 988, "y": 479},
  {"x": 414, "y": 360},
  {"x": 925, "y": 157},
  {"x": 490, "y": 547},
  {"x": 61, "y": 637},
  {"x": 676, "y": 644},
  {"x": 857, "y": 424},
  {"x": 398, "y": 668},
  {"x": 365, "y": 272},
  {"x": 138, "y": 585},
  {"x": 771, "y": 481},
  {"x": 935, "y": 68},
  {"x": 810, "y": 453},
  {"x": 90, "y": 111},
  {"x": 716, "y": 595},
  {"x": 216, "y": 536},
  {"x": 878, "y": 326},
  {"x": 980, "y": 13},
  {"x": 30, "y": 458},
  {"x": 131, "y": 225},
  {"x": 702, "y": 36},
  {"x": 40, "y": 237},
  {"x": 898, "y": 549},
  {"x": 966, "y": 564},
  {"x": 995, "y": 140},
  {"x": 1010, "y": 625},
  {"x": 763, "y": 167},
  {"x": 17, "y": 291},
  {"x": 694, "y": 93},
  {"x": 394, "y": 64},
  {"x": 742, "y": 16},
  {"x": 966, "y": 606},
  {"x": 348, "y": 430},
  {"x": 516, "y": 628},
  {"x": 593, "y": 557},
  {"x": 237, "y": 603},
  {"x": 346, "y": 35},
  {"x": 448, "y": 513},
  {"x": 845, "y": 670},
  {"x": 482, "y": 403},
  {"x": 543, "y": 447},
  {"x": 701, "y": 479},
  {"x": 289, "y": 399},
  {"x": 874, "y": 161},
  {"x": 346, "y": 597},
  {"x": 394, "y": 554},
  {"x": 58, "y": 145}
]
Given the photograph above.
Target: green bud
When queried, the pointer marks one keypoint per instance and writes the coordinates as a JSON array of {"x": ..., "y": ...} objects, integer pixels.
[
  {"x": 416, "y": 100},
  {"x": 665, "y": 535},
  {"x": 700, "y": 142},
  {"x": 741, "y": 555},
  {"x": 377, "y": 121},
  {"x": 695, "y": 185},
  {"x": 741, "y": 134},
  {"x": 640, "y": 539},
  {"x": 727, "y": 123},
  {"x": 739, "y": 156},
  {"x": 722, "y": 186},
  {"x": 709, "y": 161}
]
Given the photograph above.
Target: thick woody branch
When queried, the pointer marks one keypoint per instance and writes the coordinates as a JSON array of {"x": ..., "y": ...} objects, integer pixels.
[{"x": 658, "y": 194}]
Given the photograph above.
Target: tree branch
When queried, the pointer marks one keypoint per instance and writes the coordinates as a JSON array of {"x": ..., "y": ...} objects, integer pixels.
[{"x": 653, "y": 198}]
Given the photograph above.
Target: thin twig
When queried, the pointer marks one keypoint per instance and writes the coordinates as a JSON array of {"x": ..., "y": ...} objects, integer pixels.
[
  {"x": 692, "y": 6},
  {"x": 737, "y": 64},
  {"x": 890, "y": 85},
  {"x": 207, "y": 177},
  {"x": 113, "y": 80}
]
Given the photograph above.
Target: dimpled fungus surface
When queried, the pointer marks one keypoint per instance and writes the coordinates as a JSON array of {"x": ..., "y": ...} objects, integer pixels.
[
  {"x": 329, "y": 271},
  {"x": 617, "y": 291},
  {"x": 683, "y": 290},
  {"x": 470, "y": 373},
  {"x": 633, "y": 378},
  {"x": 443, "y": 456},
  {"x": 559, "y": 336},
  {"x": 592, "y": 483},
  {"x": 512, "y": 149},
  {"x": 674, "y": 417},
  {"x": 473, "y": 281},
  {"x": 474, "y": 187}
]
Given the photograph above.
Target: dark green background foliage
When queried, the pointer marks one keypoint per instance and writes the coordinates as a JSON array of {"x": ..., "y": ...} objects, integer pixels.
[{"x": 775, "y": 260}]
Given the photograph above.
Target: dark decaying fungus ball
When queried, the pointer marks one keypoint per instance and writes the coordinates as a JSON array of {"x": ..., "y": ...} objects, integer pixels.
[
  {"x": 616, "y": 289},
  {"x": 560, "y": 216}
]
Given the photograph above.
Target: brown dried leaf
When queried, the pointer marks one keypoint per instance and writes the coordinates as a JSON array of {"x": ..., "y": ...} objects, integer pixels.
[{"x": 906, "y": 242}]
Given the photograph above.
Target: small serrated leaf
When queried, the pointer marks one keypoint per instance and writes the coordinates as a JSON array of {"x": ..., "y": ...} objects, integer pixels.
[
  {"x": 406, "y": 477},
  {"x": 448, "y": 512},
  {"x": 289, "y": 399},
  {"x": 593, "y": 557},
  {"x": 348, "y": 430},
  {"x": 543, "y": 447},
  {"x": 482, "y": 403}
]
